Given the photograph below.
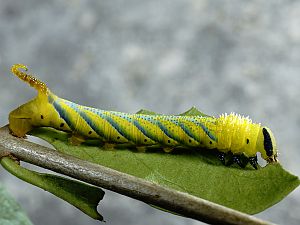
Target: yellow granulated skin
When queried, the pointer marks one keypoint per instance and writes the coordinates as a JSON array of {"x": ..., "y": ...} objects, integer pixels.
[{"x": 232, "y": 132}]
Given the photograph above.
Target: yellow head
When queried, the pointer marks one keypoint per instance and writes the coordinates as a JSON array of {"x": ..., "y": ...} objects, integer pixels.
[{"x": 266, "y": 145}]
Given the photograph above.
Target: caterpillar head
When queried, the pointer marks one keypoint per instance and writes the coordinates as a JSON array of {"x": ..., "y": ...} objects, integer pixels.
[
  {"x": 266, "y": 145},
  {"x": 24, "y": 118}
]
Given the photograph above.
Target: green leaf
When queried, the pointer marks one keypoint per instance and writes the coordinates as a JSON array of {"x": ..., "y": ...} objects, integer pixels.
[
  {"x": 194, "y": 112},
  {"x": 198, "y": 173},
  {"x": 83, "y": 196},
  {"x": 146, "y": 112},
  {"x": 11, "y": 212}
]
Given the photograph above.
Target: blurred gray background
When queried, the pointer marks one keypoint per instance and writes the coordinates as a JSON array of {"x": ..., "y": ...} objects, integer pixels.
[{"x": 161, "y": 55}]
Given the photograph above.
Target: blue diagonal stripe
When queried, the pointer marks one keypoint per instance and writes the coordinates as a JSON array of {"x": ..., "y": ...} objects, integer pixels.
[
  {"x": 115, "y": 125},
  {"x": 90, "y": 122},
  {"x": 111, "y": 121},
  {"x": 167, "y": 132},
  {"x": 62, "y": 113},
  {"x": 145, "y": 132},
  {"x": 189, "y": 132},
  {"x": 103, "y": 116},
  {"x": 204, "y": 128}
]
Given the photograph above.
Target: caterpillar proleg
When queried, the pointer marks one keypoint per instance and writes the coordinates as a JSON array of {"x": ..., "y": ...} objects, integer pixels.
[{"x": 228, "y": 133}]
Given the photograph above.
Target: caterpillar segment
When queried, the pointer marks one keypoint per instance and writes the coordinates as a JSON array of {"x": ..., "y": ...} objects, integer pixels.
[{"x": 231, "y": 134}]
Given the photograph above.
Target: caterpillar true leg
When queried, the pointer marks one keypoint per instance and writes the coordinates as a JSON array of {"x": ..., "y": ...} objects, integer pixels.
[
  {"x": 238, "y": 160},
  {"x": 221, "y": 156},
  {"x": 253, "y": 161},
  {"x": 235, "y": 159}
]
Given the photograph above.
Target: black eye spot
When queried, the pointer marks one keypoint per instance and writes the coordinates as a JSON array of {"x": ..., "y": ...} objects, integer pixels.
[
  {"x": 267, "y": 142},
  {"x": 210, "y": 142},
  {"x": 90, "y": 132},
  {"x": 169, "y": 141},
  {"x": 62, "y": 124},
  {"x": 42, "y": 117},
  {"x": 190, "y": 140},
  {"x": 247, "y": 141},
  {"x": 145, "y": 140},
  {"x": 118, "y": 137}
]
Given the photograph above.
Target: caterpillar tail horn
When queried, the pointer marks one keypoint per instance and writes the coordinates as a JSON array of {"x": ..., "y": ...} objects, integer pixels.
[{"x": 31, "y": 80}]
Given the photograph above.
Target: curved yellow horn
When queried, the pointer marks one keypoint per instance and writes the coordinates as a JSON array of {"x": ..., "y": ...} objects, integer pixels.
[{"x": 31, "y": 80}]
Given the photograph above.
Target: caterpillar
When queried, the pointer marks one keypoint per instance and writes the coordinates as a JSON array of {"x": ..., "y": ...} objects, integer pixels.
[{"x": 229, "y": 133}]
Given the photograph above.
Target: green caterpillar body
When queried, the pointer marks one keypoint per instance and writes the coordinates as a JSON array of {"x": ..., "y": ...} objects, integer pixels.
[{"x": 228, "y": 133}]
